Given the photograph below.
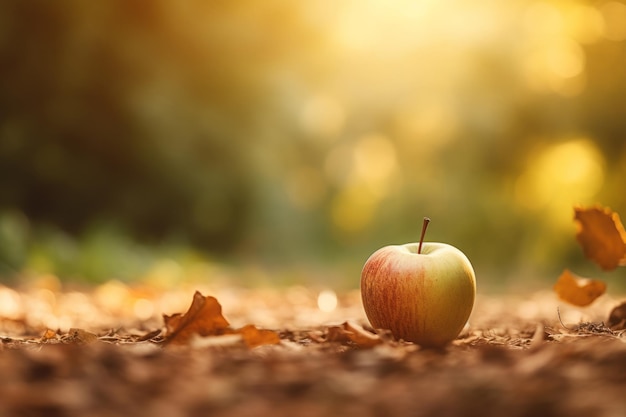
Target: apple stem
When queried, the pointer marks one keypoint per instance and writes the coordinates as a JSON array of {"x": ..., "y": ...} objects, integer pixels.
[{"x": 424, "y": 226}]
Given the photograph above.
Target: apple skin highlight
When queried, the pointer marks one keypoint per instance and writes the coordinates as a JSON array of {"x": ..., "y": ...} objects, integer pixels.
[{"x": 425, "y": 298}]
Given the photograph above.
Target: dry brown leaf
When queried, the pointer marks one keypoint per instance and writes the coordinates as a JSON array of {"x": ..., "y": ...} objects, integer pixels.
[
  {"x": 617, "y": 318},
  {"x": 253, "y": 336},
  {"x": 80, "y": 336},
  {"x": 48, "y": 335},
  {"x": 337, "y": 334},
  {"x": 602, "y": 236},
  {"x": 578, "y": 291},
  {"x": 354, "y": 333},
  {"x": 203, "y": 318},
  {"x": 172, "y": 322}
]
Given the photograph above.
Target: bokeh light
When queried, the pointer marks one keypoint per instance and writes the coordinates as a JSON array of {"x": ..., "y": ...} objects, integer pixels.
[
  {"x": 614, "y": 14},
  {"x": 327, "y": 301},
  {"x": 323, "y": 116},
  {"x": 560, "y": 176}
]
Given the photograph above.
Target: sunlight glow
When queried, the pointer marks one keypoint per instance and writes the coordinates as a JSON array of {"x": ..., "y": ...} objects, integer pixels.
[
  {"x": 554, "y": 57},
  {"x": 565, "y": 59},
  {"x": 543, "y": 20},
  {"x": 143, "y": 309},
  {"x": 561, "y": 176},
  {"x": 10, "y": 304},
  {"x": 374, "y": 161},
  {"x": 428, "y": 127},
  {"x": 584, "y": 23},
  {"x": 404, "y": 19},
  {"x": 327, "y": 301},
  {"x": 371, "y": 172},
  {"x": 112, "y": 295},
  {"x": 556, "y": 66},
  {"x": 353, "y": 208},
  {"x": 614, "y": 14},
  {"x": 323, "y": 116}
]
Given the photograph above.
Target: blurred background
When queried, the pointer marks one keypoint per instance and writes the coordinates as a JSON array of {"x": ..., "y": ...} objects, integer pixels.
[{"x": 286, "y": 141}]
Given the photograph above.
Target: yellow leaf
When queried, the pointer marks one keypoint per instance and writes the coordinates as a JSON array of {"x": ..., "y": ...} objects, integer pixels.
[
  {"x": 578, "y": 291},
  {"x": 602, "y": 236}
]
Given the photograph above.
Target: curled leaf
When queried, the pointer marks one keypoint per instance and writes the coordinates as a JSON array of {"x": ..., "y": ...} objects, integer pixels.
[
  {"x": 578, "y": 291},
  {"x": 602, "y": 236},
  {"x": 203, "y": 325},
  {"x": 204, "y": 318}
]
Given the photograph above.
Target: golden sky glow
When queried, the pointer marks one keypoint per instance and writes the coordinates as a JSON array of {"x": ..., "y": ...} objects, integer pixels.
[{"x": 421, "y": 57}]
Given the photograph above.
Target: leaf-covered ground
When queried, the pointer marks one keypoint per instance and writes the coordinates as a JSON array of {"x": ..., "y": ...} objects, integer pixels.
[{"x": 101, "y": 353}]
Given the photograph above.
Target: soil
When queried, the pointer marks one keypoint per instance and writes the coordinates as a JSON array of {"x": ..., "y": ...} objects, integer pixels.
[{"x": 519, "y": 356}]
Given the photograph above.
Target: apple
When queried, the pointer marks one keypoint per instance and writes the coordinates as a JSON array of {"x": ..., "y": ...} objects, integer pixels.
[{"x": 422, "y": 292}]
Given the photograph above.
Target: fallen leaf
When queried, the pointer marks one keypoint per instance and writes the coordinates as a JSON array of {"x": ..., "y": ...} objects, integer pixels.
[
  {"x": 204, "y": 318},
  {"x": 80, "y": 336},
  {"x": 48, "y": 335},
  {"x": 617, "y": 318},
  {"x": 602, "y": 236},
  {"x": 353, "y": 333},
  {"x": 253, "y": 336},
  {"x": 578, "y": 291}
]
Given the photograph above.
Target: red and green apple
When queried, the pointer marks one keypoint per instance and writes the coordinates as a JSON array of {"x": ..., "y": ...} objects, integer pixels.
[{"x": 422, "y": 292}]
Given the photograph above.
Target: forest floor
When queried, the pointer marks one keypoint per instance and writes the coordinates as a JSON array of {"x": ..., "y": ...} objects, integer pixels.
[{"x": 101, "y": 352}]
